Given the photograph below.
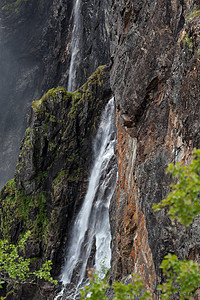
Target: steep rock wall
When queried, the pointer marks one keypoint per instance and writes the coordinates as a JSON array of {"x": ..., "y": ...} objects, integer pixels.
[
  {"x": 155, "y": 81},
  {"x": 31, "y": 55},
  {"x": 51, "y": 175},
  {"x": 154, "y": 77},
  {"x": 94, "y": 38},
  {"x": 35, "y": 53}
]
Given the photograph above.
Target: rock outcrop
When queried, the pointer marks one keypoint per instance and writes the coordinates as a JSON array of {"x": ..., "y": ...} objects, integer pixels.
[
  {"x": 35, "y": 53},
  {"x": 154, "y": 58},
  {"x": 154, "y": 77},
  {"x": 31, "y": 54},
  {"x": 52, "y": 172}
]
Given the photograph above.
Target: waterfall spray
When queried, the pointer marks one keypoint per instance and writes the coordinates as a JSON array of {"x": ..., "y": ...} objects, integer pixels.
[{"x": 92, "y": 223}]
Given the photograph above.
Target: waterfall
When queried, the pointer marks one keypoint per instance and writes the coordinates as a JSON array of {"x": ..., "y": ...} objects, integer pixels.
[
  {"x": 71, "y": 86},
  {"x": 92, "y": 225}
]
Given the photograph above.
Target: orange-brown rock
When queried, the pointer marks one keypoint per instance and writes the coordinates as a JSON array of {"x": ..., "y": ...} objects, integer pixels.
[{"x": 155, "y": 81}]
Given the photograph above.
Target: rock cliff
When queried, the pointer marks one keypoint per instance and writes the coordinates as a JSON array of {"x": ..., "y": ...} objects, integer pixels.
[
  {"x": 154, "y": 52},
  {"x": 35, "y": 53},
  {"x": 52, "y": 171}
]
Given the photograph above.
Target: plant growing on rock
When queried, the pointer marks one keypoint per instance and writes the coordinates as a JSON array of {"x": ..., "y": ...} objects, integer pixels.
[
  {"x": 188, "y": 40},
  {"x": 15, "y": 269}
]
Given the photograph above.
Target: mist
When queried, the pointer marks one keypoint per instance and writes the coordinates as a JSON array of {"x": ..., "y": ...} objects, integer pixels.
[{"x": 29, "y": 67}]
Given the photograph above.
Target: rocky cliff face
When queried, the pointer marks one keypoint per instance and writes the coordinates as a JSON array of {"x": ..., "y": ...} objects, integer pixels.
[
  {"x": 155, "y": 53},
  {"x": 155, "y": 58},
  {"x": 31, "y": 53},
  {"x": 52, "y": 172},
  {"x": 35, "y": 53}
]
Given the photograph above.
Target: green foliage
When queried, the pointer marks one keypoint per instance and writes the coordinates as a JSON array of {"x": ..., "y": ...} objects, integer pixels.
[
  {"x": 97, "y": 289},
  {"x": 187, "y": 40},
  {"x": 182, "y": 277},
  {"x": 131, "y": 290},
  {"x": 15, "y": 269},
  {"x": 194, "y": 14},
  {"x": 44, "y": 272},
  {"x": 183, "y": 202}
]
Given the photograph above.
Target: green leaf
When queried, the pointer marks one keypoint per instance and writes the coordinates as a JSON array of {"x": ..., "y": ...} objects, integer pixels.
[{"x": 183, "y": 201}]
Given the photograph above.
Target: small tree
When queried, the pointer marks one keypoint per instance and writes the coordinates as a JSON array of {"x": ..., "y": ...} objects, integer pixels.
[{"x": 14, "y": 269}]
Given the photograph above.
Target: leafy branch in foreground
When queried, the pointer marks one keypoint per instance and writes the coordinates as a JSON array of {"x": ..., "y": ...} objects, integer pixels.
[
  {"x": 182, "y": 276},
  {"x": 184, "y": 199},
  {"x": 15, "y": 269},
  {"x": 97, "y": 289},
  {"x": 131, "y": 290}
]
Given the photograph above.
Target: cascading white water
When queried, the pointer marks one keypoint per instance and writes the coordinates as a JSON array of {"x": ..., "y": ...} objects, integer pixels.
[
  {"x": 92, "y": 223},
  {"x": 74, "y": 47}
]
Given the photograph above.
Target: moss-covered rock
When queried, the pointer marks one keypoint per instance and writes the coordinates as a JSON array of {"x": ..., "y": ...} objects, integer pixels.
[{"x": 52, "y": 170}]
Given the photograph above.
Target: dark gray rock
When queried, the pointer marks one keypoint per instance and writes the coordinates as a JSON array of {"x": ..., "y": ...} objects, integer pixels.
[
  {"x": 52, "y": 173},
  {"x": 35, "y": 53},
  {"x": 154, "y": 78}
]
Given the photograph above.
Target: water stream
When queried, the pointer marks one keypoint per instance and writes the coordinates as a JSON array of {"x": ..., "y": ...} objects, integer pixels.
[
  {"x": 71, "y": 86},
  {"x": 91, "y": 231}
]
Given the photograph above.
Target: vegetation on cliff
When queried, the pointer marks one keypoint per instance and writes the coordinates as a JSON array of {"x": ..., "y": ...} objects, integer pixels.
[
  {"x": 15, "y": 269},
  {"x": 51, "y": 175}
]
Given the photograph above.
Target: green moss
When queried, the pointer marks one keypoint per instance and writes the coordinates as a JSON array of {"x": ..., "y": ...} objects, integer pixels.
[
  {"x": 86, "y": 91},
  {"x": 54, "y": 95},
  {"x": 10, "y": 187},
  {"x": 41, "y": 221},
  {"x": 52, "y": 118},
  {"x": 15, "y": 3},
  {"x": 11, "y": 8},
  {"x": 76, "y": 96},
  {"x": 27, "y": 143},
  {"x": 188, "y": 40},
  {"x": 52, "y": 146},
  {"x": 59, "y": 177},
  {"x": 41, "y": 176},
  {"x": 194, "y": 14},
  {"x": 26, "y": 147},
  {"x": 16, "y": 208}
]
